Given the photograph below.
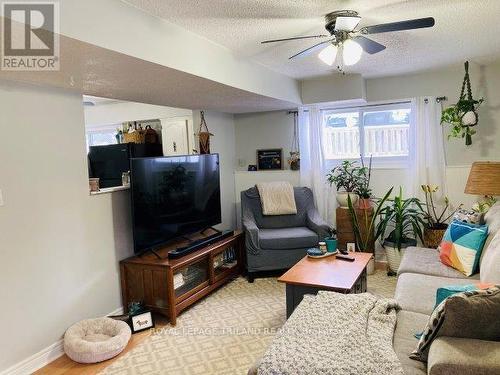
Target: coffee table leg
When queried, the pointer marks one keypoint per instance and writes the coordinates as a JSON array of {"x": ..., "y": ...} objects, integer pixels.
[{"x": 290, "y": 305}]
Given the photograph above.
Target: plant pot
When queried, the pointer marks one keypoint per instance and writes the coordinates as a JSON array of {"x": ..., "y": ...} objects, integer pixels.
[
  {"x": 364, "y": 203},
  {"x": 434, "y": 235},
  {"x": 394, "y": 255},
  {"x": 370, "y": 267},
  {"x": 331, "y": 244},
  {"x": 342, "y": 198}
]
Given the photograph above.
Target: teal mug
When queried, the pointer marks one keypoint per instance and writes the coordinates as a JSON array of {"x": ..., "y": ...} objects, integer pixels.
[{"x": 331, "y": 245}]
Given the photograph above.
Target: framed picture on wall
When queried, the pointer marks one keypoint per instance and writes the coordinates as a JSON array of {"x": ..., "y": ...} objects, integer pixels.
[{"x": 270, "y": 159}]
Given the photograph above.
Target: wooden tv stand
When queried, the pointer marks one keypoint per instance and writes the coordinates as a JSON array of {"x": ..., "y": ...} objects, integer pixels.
[{"x": 169, "y": 286}]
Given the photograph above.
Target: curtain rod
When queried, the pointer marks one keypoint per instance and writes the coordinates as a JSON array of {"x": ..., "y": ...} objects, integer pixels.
[{"x": 439, "y": 99}]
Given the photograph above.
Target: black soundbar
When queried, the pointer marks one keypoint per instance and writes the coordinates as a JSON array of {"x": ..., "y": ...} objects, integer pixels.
[{"x": 198, "y": 244}]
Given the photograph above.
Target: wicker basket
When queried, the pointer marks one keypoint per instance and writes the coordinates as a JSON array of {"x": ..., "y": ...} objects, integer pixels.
[
  {"x": 433, "y": 237},
  {"x": 135, "y": 137}
]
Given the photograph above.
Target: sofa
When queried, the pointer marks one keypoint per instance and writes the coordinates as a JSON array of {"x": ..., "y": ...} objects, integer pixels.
[
  {"x": 278, "y": 242},
  {"x": 420, "y": 274}
]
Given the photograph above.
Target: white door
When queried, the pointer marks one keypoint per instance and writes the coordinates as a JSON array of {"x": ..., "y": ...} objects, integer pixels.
[{"x": 175, "y": 136}]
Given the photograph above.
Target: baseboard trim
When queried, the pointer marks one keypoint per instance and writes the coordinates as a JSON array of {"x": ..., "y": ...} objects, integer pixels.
[{"x": 43, "y": 357}]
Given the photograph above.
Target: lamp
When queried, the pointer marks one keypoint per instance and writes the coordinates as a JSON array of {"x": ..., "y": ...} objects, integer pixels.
[
  {"x": 328, "y": 54},
  {"x": 484, "y": 179},
  {"x": 351, "y": 52}
]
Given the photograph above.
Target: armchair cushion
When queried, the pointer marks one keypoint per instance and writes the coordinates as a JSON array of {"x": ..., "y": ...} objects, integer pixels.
[{"x": 287, "y": 238}]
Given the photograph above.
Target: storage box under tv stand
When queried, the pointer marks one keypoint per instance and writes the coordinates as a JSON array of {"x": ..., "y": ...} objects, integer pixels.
[{"x": 151, "y": 280}]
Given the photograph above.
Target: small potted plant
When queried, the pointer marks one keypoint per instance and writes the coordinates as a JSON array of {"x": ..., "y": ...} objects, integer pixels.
[
  {"x": 405, "y": 218},
  {"x": 435, "y": 225},
  {"x": 346, "y": 177},
  {"x": 363, "y": 189},
  {"x": 331, "y": 240}
]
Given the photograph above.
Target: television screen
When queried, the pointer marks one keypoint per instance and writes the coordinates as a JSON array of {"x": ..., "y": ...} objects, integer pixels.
[{"x": 173, "y": 196}]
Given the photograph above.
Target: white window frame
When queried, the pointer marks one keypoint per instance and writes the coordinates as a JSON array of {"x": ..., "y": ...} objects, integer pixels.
[
  {"x": 100, "y": 129},
  {"x": 389, "y": 162}
]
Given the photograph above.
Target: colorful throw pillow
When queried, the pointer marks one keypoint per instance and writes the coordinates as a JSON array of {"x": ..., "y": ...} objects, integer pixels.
[
  {"x": 454, "y": 315},
  {"x": 462, "y": 245}
]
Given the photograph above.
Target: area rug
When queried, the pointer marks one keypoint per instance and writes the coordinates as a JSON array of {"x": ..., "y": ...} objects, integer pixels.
[{"x": 224, "y": 334}]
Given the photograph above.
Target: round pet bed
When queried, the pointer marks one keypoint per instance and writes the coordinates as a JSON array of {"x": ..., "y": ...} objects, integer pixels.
[{"x": 96, "y": 340}]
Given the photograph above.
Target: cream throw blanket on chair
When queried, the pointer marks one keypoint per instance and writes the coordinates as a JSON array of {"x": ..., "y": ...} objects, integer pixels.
[{"x": 277, "y": 198}]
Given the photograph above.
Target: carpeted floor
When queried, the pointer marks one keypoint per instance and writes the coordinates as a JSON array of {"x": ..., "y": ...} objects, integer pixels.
[{"x": 222, "y": 334}]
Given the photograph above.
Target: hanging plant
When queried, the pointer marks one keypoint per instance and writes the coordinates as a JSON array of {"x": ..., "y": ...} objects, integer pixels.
[{"x": 463, "y": 115}]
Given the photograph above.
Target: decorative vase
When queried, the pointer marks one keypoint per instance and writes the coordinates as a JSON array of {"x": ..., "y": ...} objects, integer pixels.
[
  {"x": 394, "y": 254},
  {"x": 434, "y": 236},
  {"x": 342, "y": 198},
  {"x": 364, "y": 203},
  {"x": 331, "y": 244}
]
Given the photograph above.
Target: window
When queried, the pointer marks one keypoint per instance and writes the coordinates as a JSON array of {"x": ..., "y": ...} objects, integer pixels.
[
  {"x": 382, "y": 131},
  {"x": 102, "y": 136}
]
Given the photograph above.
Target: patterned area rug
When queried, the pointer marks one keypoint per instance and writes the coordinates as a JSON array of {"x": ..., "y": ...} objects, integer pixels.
[{"x": 223, "y": 334}]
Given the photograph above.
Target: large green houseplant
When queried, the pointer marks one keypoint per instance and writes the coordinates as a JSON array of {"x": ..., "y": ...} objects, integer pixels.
[{"x": 405, "y": 219}]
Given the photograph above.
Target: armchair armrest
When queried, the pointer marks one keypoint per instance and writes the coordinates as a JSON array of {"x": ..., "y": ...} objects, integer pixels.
[
  {"x": 250, "y": 227},
  {"x": 316, "y": 223},
  {"x": 453, "y": 355}
]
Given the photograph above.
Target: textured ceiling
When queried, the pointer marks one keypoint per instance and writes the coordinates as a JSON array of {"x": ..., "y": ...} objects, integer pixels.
[{"x": 465, "y": 29}]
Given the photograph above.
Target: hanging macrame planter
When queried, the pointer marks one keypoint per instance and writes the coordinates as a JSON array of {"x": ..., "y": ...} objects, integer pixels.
[
  {"x": 204, "y": 135},
  {"x": 294, "y": 159},
  {"x": 463, "y": 115}
]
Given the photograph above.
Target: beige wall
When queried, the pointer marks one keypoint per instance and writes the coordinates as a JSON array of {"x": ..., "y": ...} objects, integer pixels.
[
  {"x": 60, "y": 247},
  {"x": 447, "y": 82},
  {"x": 262, "y": 130}
]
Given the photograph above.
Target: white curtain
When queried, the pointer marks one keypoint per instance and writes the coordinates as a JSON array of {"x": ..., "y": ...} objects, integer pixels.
[
  {"x": 313, "y": 167},
  {"x": 427, "y": 160}
]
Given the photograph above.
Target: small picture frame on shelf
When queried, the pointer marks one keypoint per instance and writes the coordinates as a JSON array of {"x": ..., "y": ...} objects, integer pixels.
[
  {"x": 141, "y": 321},
  {"x": 351, "y": 247},
  {"x": 270, "y": 159}
]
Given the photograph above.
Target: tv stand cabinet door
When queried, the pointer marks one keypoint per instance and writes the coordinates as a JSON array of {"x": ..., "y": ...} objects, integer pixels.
[{"x": 147, "y": 284}]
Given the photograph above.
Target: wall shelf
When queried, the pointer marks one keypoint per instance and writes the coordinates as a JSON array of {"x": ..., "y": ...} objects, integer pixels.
[{"x": 110, "y": 190}]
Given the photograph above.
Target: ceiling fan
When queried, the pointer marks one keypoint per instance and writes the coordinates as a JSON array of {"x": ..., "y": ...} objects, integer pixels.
[{"x": 349, "y": 42}]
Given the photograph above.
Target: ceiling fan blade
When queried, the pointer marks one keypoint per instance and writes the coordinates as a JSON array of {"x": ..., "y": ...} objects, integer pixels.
[
  {"x": 368, "y": 45},
  {"x": 295, "y": 38},
  {"x": 346, "y": 23},
  {"x": 418, "y": 23},
  {"x": 311, "y": 49}
]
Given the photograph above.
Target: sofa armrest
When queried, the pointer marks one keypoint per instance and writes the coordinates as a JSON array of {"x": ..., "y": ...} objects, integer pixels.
[
  {"x": 250, "y": 227},
  {"x": 453, "y": 355},
  {"x": 316, "y": 223}
]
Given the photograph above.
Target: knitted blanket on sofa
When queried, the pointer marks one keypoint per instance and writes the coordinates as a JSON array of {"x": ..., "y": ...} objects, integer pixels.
[{"x": 334, "y": 333}]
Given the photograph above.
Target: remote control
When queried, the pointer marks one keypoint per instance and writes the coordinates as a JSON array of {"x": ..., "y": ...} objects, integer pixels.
[{"x": 347, "y": 258}]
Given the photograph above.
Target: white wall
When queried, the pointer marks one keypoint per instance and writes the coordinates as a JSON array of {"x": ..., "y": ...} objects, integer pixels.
[
  {"x": 60, "y": 247},
  {"x": 262, "y": 130},
  {"x": 221, "y": 125}
]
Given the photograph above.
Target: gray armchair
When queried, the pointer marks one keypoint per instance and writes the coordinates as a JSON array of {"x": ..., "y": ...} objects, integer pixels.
[{"x": 278, "y": 242}]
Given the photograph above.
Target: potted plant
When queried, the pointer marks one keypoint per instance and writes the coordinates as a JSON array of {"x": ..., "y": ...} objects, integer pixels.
[
  {"x": 331, "y": 240},
  {"x": 346, "y": 177},
  {"x": 435, "y": 224},
  {"x": 464, "y": 114},
  {"x": 363, "y": 189},
  {"x": 405, "y": 217},
  {"x": 365, "y": 239}
]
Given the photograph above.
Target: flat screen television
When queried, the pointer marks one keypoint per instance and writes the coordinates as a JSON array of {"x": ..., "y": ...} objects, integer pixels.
[{"x": 173, "y": 196}]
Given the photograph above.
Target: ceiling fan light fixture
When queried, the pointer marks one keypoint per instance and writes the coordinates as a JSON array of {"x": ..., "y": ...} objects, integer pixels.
[
  {"x": 351, "y": 52},
  {"x": 328, "y": 54}
]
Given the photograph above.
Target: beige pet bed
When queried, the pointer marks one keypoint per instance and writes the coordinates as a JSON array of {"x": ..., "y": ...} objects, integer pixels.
[{"x": 96, "y": 340}]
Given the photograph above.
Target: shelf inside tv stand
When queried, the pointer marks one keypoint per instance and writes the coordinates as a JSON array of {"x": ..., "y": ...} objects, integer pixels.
[{"x": 169, "y": 286}]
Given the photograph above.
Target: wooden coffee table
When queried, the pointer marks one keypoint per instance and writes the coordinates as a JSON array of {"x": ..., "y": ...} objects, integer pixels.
[{"x": 311, "y": 275}]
